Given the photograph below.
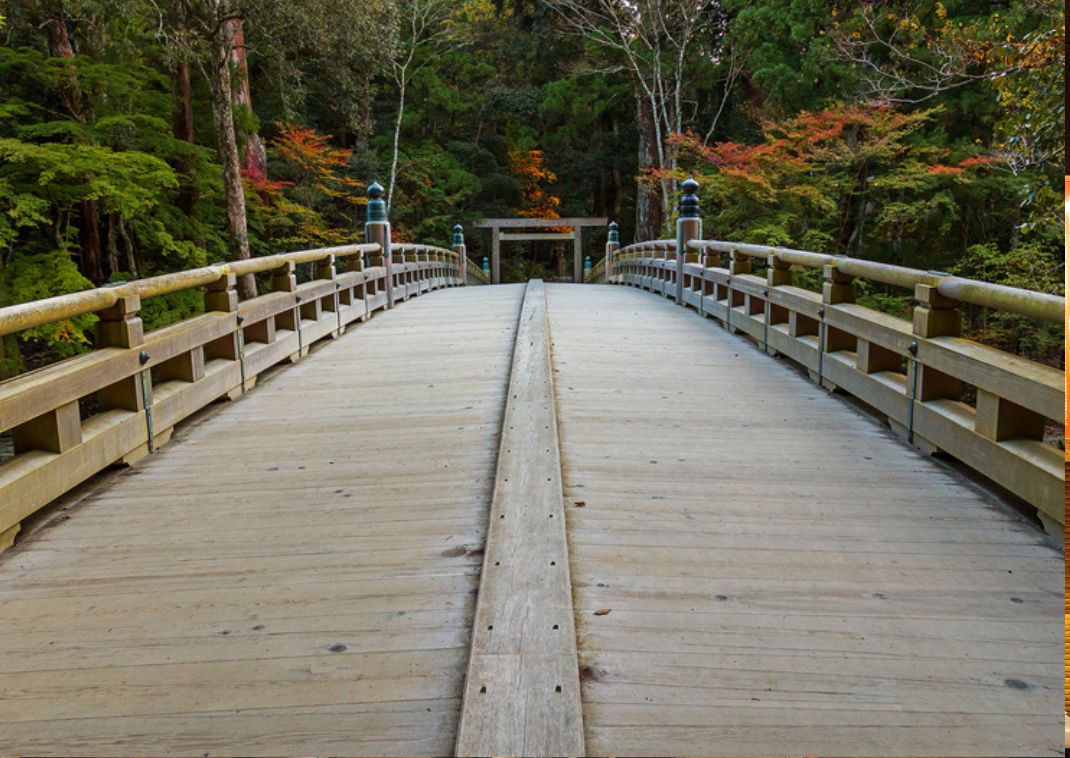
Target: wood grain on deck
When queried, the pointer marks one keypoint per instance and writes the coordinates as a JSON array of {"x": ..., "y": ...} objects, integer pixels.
[
  {"x": 293, "y": 575},
  {"x": 783, "y": 575}
]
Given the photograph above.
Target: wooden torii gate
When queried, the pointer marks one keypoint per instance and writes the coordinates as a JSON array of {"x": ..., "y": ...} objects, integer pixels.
[{"x": 497, "y": 237}]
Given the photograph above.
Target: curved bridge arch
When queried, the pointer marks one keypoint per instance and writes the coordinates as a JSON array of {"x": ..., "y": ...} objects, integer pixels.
[{"x": 751, "y": 562}]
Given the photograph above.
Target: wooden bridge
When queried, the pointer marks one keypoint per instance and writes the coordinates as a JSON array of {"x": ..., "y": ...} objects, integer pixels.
[{"x": 533, "y": 519}]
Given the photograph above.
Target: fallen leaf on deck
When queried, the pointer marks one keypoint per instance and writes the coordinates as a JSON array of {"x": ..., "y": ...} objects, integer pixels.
[
  {"x": 602, "y": 611},
  {"x": 581, "y": 504}
]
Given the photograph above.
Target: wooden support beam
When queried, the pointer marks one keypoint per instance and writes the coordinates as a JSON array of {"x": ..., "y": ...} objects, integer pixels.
[
  {"x": 538, "y": 223},
  {"x": 55, "y": 432},
  {"x": 1001, "y": 419},
  {"x": 522, "y": 692},
  {"x": 577, "y": 256},
  {"x": 495, "y": 256},
  {"x": 536, "y": 236}
]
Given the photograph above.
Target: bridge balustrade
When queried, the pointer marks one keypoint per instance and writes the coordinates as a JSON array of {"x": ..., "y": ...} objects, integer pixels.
[
  {"x": 989, "y": 409},
  {"x": 121, "y": 400}
]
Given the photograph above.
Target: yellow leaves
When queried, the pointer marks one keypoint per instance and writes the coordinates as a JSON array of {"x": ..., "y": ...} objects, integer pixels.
[
  {"x": 534, "y": 174},
  {"x": 66, "y": 332}
]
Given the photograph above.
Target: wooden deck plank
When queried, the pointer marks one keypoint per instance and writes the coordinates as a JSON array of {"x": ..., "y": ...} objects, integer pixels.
[
  {"x": 522, "y": 694},
  {"x": 293, "y": 575},
  {"x": 783, "y": 575}
]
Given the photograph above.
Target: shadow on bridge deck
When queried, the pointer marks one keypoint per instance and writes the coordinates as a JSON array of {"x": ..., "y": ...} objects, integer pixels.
[{"x": 772, "y": 572}]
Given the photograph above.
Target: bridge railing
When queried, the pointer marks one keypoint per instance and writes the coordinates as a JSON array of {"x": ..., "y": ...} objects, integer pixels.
[
  {"x": 990, "y": 409},
  {"x": 475, "y": 274},
  {"x": 123, "y": 398}
]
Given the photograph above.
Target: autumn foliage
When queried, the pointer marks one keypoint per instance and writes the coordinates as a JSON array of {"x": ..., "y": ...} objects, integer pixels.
[
  {"x": 530, "y": 168},
  {"x": 316, "y": 203},
  {"x": 317, "y": 164},
  {"x": 845, "y": 179},
  {"x": 863, "y": 180}
]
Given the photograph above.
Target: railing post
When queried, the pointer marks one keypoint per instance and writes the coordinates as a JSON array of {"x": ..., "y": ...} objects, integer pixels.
[
  {"x": 837, "y": 288},
  {"x": 688, "y": 227},
  {"x": 934, "y": 316},
  {"x": 120, "y": 326},
  {"x": 738, "y": 263},
  {"x": 377, "y": 229},
  {"x": 612, "y": 246},
  {"x": 462, "y": 252}
]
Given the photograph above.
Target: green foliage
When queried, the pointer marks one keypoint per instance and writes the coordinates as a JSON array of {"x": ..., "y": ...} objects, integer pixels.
[
  {"x": 128, "y": 183},
  {"x": 788, "y": 52},
  {"x": 42, "y": 275},
  {"x": 1028, "y": 265},
  {"x": 966, "y": 181},
  {"x": 437, "y": 189}
]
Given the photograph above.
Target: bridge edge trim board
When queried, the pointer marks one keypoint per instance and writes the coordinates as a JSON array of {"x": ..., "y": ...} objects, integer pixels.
[{"x": 522, "y": 689}]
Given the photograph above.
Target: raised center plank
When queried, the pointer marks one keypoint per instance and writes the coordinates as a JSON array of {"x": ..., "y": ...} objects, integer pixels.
[
  {"x": 294, "y": 575},
  {"x": 522, "y": 694}
]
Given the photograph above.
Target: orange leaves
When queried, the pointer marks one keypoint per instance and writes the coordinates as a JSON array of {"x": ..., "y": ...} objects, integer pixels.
[
  {"x": 263, "y": 186},
  {"x": 320, "y": 204},
  {"x": 317, "y": 164},
  {"x": 308, "y": 149},
  {"x": 939, "y": 168},
  {"x": 534, "y": 175},
  {"x": 529, "y": 164},
  {"x": 810, "y": 142},
  {"x": 977, "y": 161}
]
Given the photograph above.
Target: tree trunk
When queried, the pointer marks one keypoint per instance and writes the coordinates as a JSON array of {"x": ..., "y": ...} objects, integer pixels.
[
  {"x": 223, "y": 118},
  {"x": 128, "y": 246},
  {"x": 397, "y": 142},
  {"x": 649, "y": 208},
  {"x": 113, "y": 247},
  {"x": 59, "y": 46},
  {"x": 92, "y": 264},
  {"x": 253, "y": 156},
  {"x": 182, "y": 128}
]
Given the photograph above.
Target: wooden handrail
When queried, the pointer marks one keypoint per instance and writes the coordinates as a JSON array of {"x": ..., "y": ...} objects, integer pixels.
[
  {"x": 412, "y": 247},
  {"x": 16, "y": 318},
  {"x": 476, "y": 272},
  {"x": 146, "y": 383},
  {"x": 1038, "y": 305}
]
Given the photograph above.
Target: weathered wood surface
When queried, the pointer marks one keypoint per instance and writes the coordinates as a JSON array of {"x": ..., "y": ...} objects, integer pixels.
[
  {"x": 914, "y": 372},
  {"x": 522, "y": 694},
  {"x": 296, "y": 575},
  {"x": 782, "y": 574},
  {"x": 772, "y": 572}
]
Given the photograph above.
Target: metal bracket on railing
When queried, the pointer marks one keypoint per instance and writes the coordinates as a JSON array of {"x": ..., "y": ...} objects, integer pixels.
[
  {"x": 728, "y": 306},
  {"x": 338, "y": 305},
  {"x": 821, "y": 347},
  {"x": 297, "y": 325},
  {"x": 241, "y": 350},
  {"x": 913, "y": 368},
  {"x": 146, "y": 399},
  {"x": 768, "y": 314}
]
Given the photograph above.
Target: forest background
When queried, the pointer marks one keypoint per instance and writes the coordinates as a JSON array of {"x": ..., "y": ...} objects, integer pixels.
[{"x": 144, "y": 136}]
